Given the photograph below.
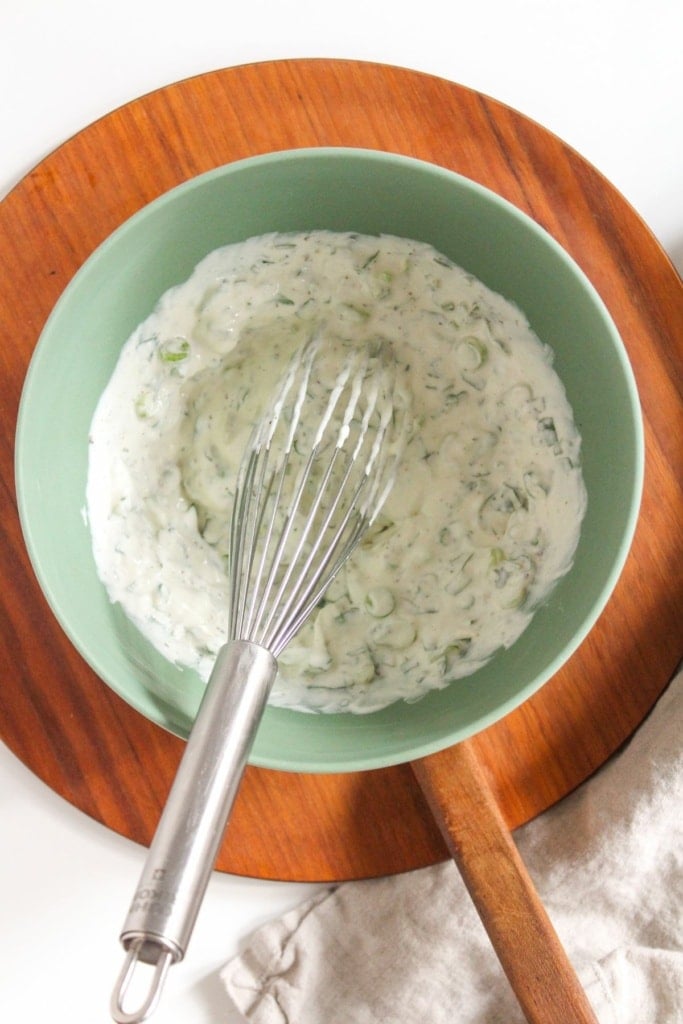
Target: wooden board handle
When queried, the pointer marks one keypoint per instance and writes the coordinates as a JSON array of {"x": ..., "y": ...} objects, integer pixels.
[{"x": 518, "y": 926}]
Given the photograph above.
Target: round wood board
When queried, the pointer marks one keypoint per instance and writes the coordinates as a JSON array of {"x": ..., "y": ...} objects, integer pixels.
[{"x": 85, "y": 742}]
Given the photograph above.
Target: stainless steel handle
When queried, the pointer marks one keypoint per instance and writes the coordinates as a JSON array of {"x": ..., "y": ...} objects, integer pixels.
[{"x": 178, "y": 866}]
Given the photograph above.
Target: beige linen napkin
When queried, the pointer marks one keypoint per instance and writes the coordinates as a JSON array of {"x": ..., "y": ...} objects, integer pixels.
[{"x": 608, "y": 865}]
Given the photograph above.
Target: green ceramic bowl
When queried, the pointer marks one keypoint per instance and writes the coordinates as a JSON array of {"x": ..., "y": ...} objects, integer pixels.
[{"x": 337, "y": 189}]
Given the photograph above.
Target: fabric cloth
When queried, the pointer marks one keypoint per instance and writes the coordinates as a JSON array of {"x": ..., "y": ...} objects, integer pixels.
[{"x": 608, "y": 865}]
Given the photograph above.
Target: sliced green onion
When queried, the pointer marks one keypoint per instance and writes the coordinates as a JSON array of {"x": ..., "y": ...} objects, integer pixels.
[{"x": 174, "y": 350}]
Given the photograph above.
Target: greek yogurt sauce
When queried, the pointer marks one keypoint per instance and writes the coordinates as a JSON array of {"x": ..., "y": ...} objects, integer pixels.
[{"x": 485, "y": 513}]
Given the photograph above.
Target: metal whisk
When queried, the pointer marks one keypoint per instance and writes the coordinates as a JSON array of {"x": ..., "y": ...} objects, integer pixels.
[{"x": 312, "y": 480}]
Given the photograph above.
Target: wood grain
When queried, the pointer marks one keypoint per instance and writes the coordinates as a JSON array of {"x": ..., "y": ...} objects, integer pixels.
[
  {"x": 515, "y": 920},
  {"x": 77, "y": 735}
]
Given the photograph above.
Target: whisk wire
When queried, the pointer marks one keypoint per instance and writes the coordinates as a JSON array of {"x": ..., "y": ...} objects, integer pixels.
[
  {"x": 304, "y": 585},
  {"x": 271, "y": 560},
  {"x": 297, "y": 518},
  {"x": 326, "y": 570},
  {"x": 244, "y": 529},
  {"x": 361, "y": 506},
  {"x": 300, "y": 592},
  {"x": 252, "y": 497}
]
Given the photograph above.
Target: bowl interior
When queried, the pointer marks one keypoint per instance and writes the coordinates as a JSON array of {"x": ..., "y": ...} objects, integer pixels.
[{"x": 369, "y": 192}]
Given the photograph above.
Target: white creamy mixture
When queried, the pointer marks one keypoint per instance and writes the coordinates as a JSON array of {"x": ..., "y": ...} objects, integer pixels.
[{"x": 483, "y": 519}]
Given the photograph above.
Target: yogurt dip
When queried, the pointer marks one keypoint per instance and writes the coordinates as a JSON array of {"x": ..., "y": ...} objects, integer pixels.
[{"x": 482, "y": 521}]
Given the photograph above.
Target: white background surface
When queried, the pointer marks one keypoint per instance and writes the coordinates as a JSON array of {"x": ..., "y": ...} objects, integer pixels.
[{"x": 604, "y": 75}]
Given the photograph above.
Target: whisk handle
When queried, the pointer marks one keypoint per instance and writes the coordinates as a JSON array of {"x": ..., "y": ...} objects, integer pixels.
[{"x": 178, "y": 866}]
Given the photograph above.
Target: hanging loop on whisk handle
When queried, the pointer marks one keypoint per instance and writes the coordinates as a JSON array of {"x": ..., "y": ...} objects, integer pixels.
[{"x": 182, "y": 854}]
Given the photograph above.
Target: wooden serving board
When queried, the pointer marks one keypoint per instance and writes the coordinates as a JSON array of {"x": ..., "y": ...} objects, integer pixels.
[{"x": 85, "y": 742}]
